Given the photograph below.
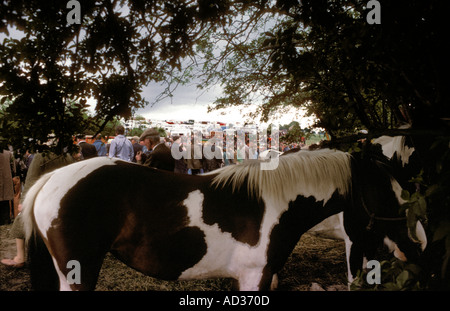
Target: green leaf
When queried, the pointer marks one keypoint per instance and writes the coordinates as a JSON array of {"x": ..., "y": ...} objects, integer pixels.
[
  {"x": 414, "y": 197},
  {"x": 402, "y": 278},
  {"x": 405, "y": 195},
  {"x": 418, "y": 178},
  {"x": 422, "y": 207}
]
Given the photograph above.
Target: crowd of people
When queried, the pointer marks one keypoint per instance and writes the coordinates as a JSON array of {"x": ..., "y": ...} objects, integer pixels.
[
  {"x": 19, "y": 173},
  {"x": 150, "y": 149}
]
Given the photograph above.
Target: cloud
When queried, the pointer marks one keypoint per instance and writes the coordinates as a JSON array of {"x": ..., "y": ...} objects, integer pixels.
[
  {"x": 187, "y": 103},
  {"x": 190, "y": 103}
]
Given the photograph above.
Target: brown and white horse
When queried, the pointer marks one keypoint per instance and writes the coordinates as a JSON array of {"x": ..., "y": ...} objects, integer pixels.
[
  {"x": 239, "y": 222},
  {"x": 403, "y": 164}
]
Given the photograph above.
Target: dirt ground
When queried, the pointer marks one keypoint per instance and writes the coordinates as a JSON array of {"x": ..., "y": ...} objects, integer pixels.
[{"x": 315, "y": 264}]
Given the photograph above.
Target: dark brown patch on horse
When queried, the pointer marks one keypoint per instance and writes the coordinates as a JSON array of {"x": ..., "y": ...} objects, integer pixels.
[
  {"x": 236, "y": 212},
  {"x": 144, "y": 225}
]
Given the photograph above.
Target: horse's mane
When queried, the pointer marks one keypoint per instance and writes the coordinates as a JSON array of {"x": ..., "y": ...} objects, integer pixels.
[{"x": 316, "y": 173}]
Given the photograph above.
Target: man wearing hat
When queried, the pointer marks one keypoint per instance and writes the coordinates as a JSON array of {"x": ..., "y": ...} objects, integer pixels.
[
  {"x": 87, "y": 150},
  {"x": 159, "y": 154}
]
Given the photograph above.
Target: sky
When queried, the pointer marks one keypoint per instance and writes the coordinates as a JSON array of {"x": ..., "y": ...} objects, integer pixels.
[{"x": 190, "y": 103}]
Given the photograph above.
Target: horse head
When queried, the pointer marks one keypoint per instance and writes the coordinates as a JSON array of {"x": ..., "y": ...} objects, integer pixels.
[{"x": 383, "y": 206}]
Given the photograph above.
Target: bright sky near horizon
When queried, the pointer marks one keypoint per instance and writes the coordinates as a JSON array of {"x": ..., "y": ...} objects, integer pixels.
[{"x": 189, "y": 103}]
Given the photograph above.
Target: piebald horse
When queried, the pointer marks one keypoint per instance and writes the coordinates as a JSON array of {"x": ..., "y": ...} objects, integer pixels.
[
  {"x": 239, "y": 222},
  {"x": 404, "y": 164}
]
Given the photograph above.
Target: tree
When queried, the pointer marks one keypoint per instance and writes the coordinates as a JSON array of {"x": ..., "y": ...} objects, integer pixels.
[
  {"x": 48, "y": 75},
  {"x": 294, "y": 133},
  {"x": 324, "y": 56},
  {"x": 320, "y": 55}
]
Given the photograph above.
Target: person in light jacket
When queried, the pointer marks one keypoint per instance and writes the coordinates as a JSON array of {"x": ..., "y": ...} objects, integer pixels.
[{"x": 121, "y": 147}]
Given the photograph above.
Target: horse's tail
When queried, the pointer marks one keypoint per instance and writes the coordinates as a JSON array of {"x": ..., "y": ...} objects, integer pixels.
[{"x": 42, "y": 270}]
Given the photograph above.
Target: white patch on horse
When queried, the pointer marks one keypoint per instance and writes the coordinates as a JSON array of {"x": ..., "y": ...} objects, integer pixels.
[
  {"x": 391, "y": 145},
  {"x": 47, "y": 201},
  {"x": 63, "y": 284},
  {"x": 225, "y": 256}
]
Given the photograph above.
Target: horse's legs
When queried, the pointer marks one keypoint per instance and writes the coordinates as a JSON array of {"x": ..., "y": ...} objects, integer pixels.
[
  {"x": 255, "y": 279},
  {"x": 78, "y": 274},
  {"x": 356, "y": 258},
  {"x": 77, "y": 260},
  {"x": 249, "y": 281},
  {"x": 274, "y": 283},
  {"x": 348, "y": 246},
  {"x": 53, "y": 266}
]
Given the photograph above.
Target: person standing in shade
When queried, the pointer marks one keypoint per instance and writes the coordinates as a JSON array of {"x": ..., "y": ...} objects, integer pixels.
[
  {"x": 136, "y": 147},
  {"x": 87, "y": 150},
  {"x": 100, "y": 146},
  {"x": 159, "y": 155}
]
